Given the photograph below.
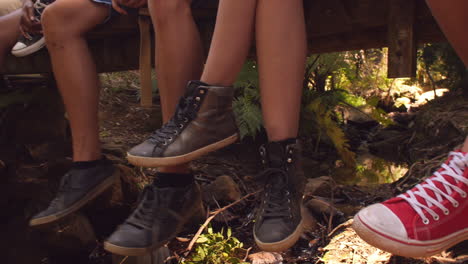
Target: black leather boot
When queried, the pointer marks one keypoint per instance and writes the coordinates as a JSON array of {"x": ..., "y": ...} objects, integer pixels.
[
  {"x": 77, "y": 187},
  {"x": 279, "y": 222},
  {"x": 162, "y": 213}
]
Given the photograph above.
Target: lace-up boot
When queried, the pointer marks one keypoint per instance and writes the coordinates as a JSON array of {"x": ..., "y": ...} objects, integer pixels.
[
  {"x": 203, "y": 122},
  {"x": 77, "y": 188},
  {"x": 161, "y": 214},
  {"x": 279, "y": 221},
  {"x": 425, "y": 220}
]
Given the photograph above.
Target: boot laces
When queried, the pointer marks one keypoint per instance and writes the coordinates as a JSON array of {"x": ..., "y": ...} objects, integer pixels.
[
  {"x": 276, "y": 202},
  {"x": 454, "y": 169},
  {"x": 184, "y": 113},
  {"x": 39, "y": 6},
  {"x": 143, "y": 214}
]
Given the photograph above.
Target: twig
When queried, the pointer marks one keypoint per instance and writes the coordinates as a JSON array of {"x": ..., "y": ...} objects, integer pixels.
[
  {"x": 247, "y": 254},
  {"x": 123, "y": 260},
  {"x": 345, "y": 224},
  {"x": 211, "y": 217}
]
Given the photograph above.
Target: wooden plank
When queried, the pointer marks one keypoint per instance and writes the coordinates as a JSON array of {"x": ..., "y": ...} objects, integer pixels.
[
  {"x": 401, "y": 39},
  {"x": 347, "y": 25}
]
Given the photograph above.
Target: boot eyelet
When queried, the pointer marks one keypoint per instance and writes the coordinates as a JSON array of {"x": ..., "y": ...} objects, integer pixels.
[
  {"x": 186, "y": 120},
  {"x": 289, "y": 160},
  {"x": 198, "y": 98},
  {"x": 426, "y": 221},
  {"x": 176, "y": 132},
  {"x": 202, "y": 91},
  {"x": 456, "y": 204},
  {"x": 170, "y": 139},
  {"x": 463, "y": 194},
  {"x": 164, "y": 143},
  {"x": 436, "y": 217},
  {"x": 181, "y": 126},
  {"x": 446, "y": 212},
  {"x": 291, "y": 151}
]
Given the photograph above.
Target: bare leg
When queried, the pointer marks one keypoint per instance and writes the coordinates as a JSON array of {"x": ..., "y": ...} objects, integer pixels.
[
  {"x": 179, "y": 55},
  {"x": 281, "y": 52},
  {"x": 64, "y": 24},
  {"x": 9, "y": 33},
  {"x": 231, "y": 41},
  {"x": 451, "y": 16}
]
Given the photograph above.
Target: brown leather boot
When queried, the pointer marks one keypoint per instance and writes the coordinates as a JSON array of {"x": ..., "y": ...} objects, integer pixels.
[{"x": 203, "y": 122}]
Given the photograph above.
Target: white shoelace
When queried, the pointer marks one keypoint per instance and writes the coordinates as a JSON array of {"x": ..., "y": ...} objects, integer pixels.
[
  {"x": 454, "y": 169},
  {"x": 38, "y": 4}
]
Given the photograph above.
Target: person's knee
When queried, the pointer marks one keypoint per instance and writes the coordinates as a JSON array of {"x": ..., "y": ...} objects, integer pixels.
[
  {"x": 54, "y": 21},
  {"x": 163, "y": 11},
  {"x": 64, "y": 19}
]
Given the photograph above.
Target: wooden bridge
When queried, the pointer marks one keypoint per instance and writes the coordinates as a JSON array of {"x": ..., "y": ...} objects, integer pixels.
[{"x": 332, "y": 25}]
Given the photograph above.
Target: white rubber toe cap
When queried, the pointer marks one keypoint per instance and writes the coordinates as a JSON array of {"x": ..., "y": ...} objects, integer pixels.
[
  {"x": 19, "y": 46},
  {"x": 382, "y": 220}
]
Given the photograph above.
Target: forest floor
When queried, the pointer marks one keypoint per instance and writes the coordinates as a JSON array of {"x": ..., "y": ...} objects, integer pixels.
[
  {"x": 333, "y": 205},
  {"x": 331, "y": 240}
]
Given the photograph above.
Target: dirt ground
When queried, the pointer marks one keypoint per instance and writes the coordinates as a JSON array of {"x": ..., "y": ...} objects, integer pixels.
[
  {"x": 124, "y": 123},
  {"x": 128, "y": 124}
]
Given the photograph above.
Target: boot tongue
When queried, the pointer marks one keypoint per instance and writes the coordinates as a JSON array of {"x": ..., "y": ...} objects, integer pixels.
[
  {"x": 276, "y": 154},
  {"x": 193, "y": 85}
]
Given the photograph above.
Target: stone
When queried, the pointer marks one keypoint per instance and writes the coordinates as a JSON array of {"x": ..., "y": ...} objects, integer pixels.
[
  {"x": 223, "y": 189},
  {"x": 266, "y": 258},
  {"x": 323, "y": 210},
  {"x": 161, "y": 255},
  {"x": 321, "y": 186}
]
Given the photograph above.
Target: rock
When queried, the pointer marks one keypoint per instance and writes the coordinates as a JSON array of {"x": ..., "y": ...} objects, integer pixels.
[
  {"x": 223, "y": 189},
  {"x": 161, "y": 255},
  {"x": 266, "y": 258},
  {"x": 321, "y": 186},
  {"x": 323, "y": 210},
  {"x": 73, "y": 237}
]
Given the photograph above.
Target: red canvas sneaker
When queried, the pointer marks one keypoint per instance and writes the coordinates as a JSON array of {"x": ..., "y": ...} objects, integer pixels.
[{"x": 425, "y": 220}]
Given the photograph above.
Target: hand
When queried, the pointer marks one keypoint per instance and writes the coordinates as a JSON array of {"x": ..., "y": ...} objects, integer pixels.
[
  {"x": 28, "y": 23},
  {"x": 117, "y": 5}
]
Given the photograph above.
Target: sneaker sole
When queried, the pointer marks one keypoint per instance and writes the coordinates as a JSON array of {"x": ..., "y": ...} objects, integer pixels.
[
  {"x": 96, "y": 191},
  {"x": 412, "y": 249},
  {"x": 288, "y": 242},
  {"x": 182, "y": 159},
  {"x": 198, "y": 215},
  {"x": 30, "y": 49}
]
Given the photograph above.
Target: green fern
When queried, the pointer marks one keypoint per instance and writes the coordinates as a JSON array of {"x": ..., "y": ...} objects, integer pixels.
[
  {"x": 323, "y": 116},
  {"x": 247, "y": 104}
]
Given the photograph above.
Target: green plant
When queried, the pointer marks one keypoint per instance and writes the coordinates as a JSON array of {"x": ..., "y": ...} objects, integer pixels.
[
  {"x": 217, "y": 248},
  {"x": 247, "y": 104}
]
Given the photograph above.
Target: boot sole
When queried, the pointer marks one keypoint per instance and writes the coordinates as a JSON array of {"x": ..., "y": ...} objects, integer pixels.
[
  {"x": 95, "y": 192},
  {"x": 198, "y": 215},
  {"x": 412, "y": 249},
  {"x": 288, "y": 242},
  {"x": 182, "y": 159}
]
